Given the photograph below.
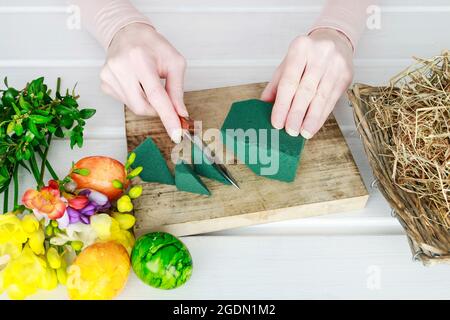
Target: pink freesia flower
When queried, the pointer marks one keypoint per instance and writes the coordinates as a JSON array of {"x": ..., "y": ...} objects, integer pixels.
[
  {"x": 46, "y": 202},
  {"x": 78, "y": 202}
]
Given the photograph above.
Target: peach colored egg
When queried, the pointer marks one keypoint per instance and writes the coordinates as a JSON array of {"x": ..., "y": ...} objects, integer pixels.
[{"x": 102, "y": 172}]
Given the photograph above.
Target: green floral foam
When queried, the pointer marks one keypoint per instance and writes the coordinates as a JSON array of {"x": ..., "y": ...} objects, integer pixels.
[{"x": 275, "y": 155}]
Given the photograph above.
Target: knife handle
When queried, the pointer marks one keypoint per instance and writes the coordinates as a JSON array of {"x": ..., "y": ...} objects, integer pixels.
[{"x": 187, "y": 124}]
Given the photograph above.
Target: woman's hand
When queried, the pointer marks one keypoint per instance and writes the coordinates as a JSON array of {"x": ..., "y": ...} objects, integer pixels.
[
  {"x": 306, "y": 86},
  {"x": 137, "y": 59}
]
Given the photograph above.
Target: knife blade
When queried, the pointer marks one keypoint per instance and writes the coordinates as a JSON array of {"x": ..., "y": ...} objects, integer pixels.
[{"x": 187, "y": 125}]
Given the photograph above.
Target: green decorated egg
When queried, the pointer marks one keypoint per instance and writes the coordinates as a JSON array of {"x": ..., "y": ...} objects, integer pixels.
[{"x": 161, "y": 260}]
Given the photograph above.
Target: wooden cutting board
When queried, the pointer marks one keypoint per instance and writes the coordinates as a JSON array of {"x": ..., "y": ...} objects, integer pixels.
[{"x": 328, "y": 180}]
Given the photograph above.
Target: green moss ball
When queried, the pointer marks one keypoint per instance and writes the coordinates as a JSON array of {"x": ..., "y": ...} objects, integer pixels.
[{"x": 161, "y": 260}]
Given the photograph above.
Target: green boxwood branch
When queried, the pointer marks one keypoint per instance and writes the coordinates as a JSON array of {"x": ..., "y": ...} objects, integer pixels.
[{"x": 31, "y": 115}]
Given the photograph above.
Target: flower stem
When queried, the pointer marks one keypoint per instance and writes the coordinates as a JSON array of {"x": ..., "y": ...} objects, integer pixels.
[
  {"x": 58, "y": 85},
  {"x": 44, "y": 157},
  {"x": 35, "y": 170},
  {"x": 47, "y": 164},
  {"x": 5, "y": 200},
  {"x": 16, "y": 187}
]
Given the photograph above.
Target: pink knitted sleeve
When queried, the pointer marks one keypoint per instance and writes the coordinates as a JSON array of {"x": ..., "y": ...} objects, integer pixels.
[
  {"x": 103, "y": 18},
  {"x": 346, "y": 16}
]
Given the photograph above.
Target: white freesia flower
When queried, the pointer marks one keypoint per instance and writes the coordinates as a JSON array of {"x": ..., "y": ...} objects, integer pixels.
[
  {"x": 64, "y": 221},
  {"x": 76, "y": 232}
]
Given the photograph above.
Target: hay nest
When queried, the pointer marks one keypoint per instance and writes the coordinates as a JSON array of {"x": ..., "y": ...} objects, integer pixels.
[{"x": 405, "y": 128}]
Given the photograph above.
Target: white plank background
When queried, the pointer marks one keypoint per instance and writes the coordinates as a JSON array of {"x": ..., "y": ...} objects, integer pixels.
[{"x": 235, "y": 42}]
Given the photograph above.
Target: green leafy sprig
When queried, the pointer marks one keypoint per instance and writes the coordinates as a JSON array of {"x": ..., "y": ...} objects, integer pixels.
[{"x": 29, "y": 118}]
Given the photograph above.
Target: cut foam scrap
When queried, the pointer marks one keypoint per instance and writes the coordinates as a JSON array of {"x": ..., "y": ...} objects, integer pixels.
[
  {"x": 155, "y": 167},
  {"x": 205, "y": 168},
  {"x": 187, "y": 180}
]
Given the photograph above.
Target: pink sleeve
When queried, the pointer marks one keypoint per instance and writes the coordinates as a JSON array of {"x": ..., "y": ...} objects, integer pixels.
[
  {"x": 103, "y": 18},
  {"x": 346, "y": 16}
]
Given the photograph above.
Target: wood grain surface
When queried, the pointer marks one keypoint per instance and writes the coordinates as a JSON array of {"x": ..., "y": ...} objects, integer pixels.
[{"x": 327, "y": 180}]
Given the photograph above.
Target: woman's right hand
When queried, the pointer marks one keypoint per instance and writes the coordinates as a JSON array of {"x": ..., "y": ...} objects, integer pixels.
[{"x": 137, "y": 59}]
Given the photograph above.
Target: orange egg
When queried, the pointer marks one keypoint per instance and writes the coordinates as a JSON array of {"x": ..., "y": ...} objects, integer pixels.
[
  {"x": 102, "y": 172},
  {"x": 99, "y": 272}
]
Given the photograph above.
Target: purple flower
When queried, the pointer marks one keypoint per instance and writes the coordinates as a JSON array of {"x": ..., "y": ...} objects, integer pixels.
[
  {"x": 98, "y": 202},
  {"x": 89, "y": 210},
  {"x": 74, "y": 215},
  {"x": 103, "y": 208},
  {"x": 82, "y": 214},
  {"x": 98, "y": 199}
]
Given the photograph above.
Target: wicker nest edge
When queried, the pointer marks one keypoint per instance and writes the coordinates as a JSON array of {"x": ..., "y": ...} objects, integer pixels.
[{"x": 406, "y": 207}]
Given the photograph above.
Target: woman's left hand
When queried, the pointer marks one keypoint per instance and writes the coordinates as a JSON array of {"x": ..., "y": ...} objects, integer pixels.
[{"x": 316, "y": 71}]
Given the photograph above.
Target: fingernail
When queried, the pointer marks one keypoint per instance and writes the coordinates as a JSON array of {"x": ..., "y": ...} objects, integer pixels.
[
  {"x": 306, "y": 134},
  {"x": 184, "y": 113},
  {"x": 277, "y": 125},
  {"x": 292, "y": 132},
  {"x": 176, "y": 135}
]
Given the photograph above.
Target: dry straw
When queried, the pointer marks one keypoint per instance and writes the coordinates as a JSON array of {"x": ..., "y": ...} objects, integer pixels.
[{"x": 405, "y": 128}]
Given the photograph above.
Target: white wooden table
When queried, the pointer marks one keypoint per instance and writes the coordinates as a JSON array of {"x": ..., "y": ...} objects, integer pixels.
[{"x": 358, "y": 255}]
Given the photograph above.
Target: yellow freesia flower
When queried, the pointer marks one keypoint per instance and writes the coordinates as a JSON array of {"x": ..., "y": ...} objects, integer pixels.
[
  {"x": 121, "y": 236},
  {"x": 125, "y": 238},
  {"x": 108, "y": 228},
  {"x": 2, "y": 286},
  {"x": 53, "y": 258},
  {"x": 11, "y": 229},
  {"x": 11, "y": 249},
  {"x": 61, "y": 274},
  {"x": 101, "y": 223},
  {"x": 49, "y": 280},
  {"x": 124, "y": 204},
  {"x": 29, "y": 223},
  {"x": 36, "y": 242},
  {"x": 125, "y": 220},
  {"x": 26, "y": 274}
]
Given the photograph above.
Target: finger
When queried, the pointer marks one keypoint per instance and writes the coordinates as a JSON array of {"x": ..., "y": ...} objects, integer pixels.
[
  {"x": 299, "y": 106},
  {"x": 136, "y": 98},
  {"x": 111, "y": 84},
  {"x": 175, "y": 89},
  {"x": 270, "y": 90},
  {"x": 159, "y": 99},
  {"x": 109, "y": 90},
  {"x": 134, "y": 95},
  {"x": 305, "y": 93},
  {"x": 286, "y": 89},
  {"x": 316, "y": 117},
  {"x": 137, "y": 101}
]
